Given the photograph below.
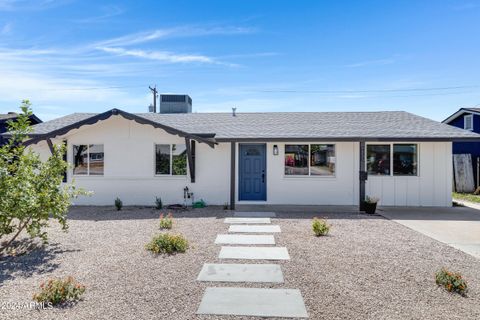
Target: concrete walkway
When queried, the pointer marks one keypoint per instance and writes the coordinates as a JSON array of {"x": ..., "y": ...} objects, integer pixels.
[
  {"x": 458, "y": 227},
  {"x": 241, "y": 301}
]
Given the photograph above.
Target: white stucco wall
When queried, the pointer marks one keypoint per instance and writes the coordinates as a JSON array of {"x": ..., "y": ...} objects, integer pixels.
[
  {"x": 341, "y": 189},
  {"x": 129, "y": 172},
  {"x": 129, "y": 166}
]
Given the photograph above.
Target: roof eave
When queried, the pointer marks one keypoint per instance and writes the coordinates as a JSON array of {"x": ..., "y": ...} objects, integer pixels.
[
  {"x": 350, "y": 139},
  {"x": 35, "y": 138},
  {"x": 459, "y": 113}
]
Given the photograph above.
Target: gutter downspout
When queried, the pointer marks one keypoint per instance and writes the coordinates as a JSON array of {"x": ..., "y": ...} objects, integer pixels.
[
  {"x": 362, "y": 175},
  {"x": 233, "y": 156}
]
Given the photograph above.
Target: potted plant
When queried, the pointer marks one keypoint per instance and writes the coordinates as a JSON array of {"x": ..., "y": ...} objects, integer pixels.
[{"x": 371, "y": 204}]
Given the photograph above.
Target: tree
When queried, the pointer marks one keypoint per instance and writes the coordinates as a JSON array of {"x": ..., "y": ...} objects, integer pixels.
[{"x": 31, "y": 190}]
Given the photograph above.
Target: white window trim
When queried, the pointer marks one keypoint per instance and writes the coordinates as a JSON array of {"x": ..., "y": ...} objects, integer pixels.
[
  {"x": 391, "y": 160},
  {"x": 470, "y": 117},
  {"x": 170, "y": 175},
  {"x": 309, "y": 175}
]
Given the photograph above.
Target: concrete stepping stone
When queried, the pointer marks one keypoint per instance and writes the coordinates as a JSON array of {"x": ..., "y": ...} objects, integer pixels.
[
  {"x": 254, "y": 253},
  {"x": 244, "y": 239},
  {"x": 254, "y": 214},
  {"x": 253, "y": 302},
  {"x": 241, "y": 273},
  {"x": 247, "y": 220},
  {"x": 254, "y": 228}
]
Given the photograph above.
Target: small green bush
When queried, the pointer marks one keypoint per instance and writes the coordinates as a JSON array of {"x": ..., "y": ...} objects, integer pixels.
[
  {"x": 57, "y": 291},
  {"x": 166, "y": 222},
  {"x": 320, "y": 227},
  {"x": 452, "y": 282},
  {"x": 158, "y": 203},
  {"x": 167, "y": 243},
  {"x": 118, "y": 204}
]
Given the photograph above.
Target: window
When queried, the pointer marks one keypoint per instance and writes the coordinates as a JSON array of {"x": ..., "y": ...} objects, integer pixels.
[
  {"x": 88, "y": 159},
  {"x": 378, "y": 159},
  {"x": 322, "y": 159},
  {"x": 296, "y": 159},
  {"x": 402, "y": 157},
  {"x": 171, "y": 159},
  {"x": 405, "y": 159},
  {"x": 468, "y": 122},
  {"x": 179, "y": 159},
  {"x": 252, "y": 152},
  {"x": 313, "y": 159},
  {"x": 162, "y": 159}
]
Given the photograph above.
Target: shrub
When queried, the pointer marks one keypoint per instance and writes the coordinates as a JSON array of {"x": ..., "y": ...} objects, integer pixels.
[
  {"x": 167, "y": 243},
  {"x": 320, "y": 227},
  {"x": 452, "y": 282},
  {"x": 57, "y": 291},
  {"x": 118, "y": 204},
  {"x": 166, "y": 222},
  {"x": 158, "y": 203},
  {"x": 31, "y": 190},
  {"x": 369, "y": 199}
]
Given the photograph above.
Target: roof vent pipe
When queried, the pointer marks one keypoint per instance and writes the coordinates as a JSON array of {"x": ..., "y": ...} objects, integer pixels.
[{"x": 233, "y": 111}]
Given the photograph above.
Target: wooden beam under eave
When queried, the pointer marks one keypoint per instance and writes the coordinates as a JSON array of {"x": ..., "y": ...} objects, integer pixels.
[
  {"x": 50, "y": 145},
  {"x": 191, "y": 160}
]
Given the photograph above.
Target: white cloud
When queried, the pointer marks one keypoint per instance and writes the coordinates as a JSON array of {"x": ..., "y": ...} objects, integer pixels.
[
  {"x": 185, "y": 31},
  {"x": 466, "y": 6},
  {"x": 85, "y": 77},
  {"x": 377, "y": 62},
  {"x": 109, "y": 12},
  {"x": 162, "y": 56},
  {"x": 16, "y": 5},
  {"x": 68, "y": 95}
]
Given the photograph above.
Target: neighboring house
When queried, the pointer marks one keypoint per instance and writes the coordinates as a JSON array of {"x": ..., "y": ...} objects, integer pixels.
[
  {"x": 468, "y": 119},
  {"x": 4, "y": 118},
  {"x": 306, "y": 158}
]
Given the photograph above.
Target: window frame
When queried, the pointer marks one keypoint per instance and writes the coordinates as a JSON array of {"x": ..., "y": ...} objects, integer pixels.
[
  {"x": 465, "y": 117},
  {"x": 171, "y": 175},
  {"x": 309, "y": 175},
  {"x": 391, "y": 144},
  {"x": 390, "y": 162},
  {"x": 88, "y": 159}
]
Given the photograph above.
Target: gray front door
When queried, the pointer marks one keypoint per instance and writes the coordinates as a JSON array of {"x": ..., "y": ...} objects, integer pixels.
[{"x": 252, "y": 172}]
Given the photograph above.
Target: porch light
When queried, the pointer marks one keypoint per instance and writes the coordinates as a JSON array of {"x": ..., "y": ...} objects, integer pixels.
[{"x": 275, "y": 150}]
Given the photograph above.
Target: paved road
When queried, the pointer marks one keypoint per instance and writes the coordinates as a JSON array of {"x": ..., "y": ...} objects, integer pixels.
[{"x": 456, "y": 226}]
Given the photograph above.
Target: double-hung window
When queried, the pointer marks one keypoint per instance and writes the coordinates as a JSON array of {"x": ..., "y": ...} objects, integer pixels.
[
  {"x": 171, "y": 159},
  {"x": 392, "y": 159},
  {"x": 88, "y": 159},
  {"x": 309, "y": 159},
  {"x": 468, "y": 122}
]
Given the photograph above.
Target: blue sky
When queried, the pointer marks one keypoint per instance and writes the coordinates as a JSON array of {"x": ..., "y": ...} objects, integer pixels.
[{"x": 89, "y": 56}]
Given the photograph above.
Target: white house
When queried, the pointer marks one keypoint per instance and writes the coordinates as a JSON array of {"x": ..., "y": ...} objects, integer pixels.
[{"x": 309, "y": 158}]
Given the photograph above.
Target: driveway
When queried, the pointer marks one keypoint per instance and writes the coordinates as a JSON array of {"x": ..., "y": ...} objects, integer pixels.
[{"x": 458, "y": 227}]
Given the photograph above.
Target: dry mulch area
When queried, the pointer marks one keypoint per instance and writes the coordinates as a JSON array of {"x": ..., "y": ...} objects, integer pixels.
[{"x": 367, "y": 268}]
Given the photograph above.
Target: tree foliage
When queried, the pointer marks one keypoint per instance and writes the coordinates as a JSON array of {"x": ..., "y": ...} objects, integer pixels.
[{"x": 31, "y": 190}]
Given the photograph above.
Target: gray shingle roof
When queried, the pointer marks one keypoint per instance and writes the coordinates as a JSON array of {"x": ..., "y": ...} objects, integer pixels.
[
  {"x": 473, "y": 109},
  {"x": 294, "y": 125},
  {"x": 6, "y": 116}
]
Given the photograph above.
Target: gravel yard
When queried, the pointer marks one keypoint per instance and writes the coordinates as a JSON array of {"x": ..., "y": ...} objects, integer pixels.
[{"x": 367, "y": 268}]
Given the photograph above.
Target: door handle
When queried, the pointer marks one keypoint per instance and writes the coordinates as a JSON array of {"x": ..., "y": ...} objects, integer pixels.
[{"x": 263, "y": 177}]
